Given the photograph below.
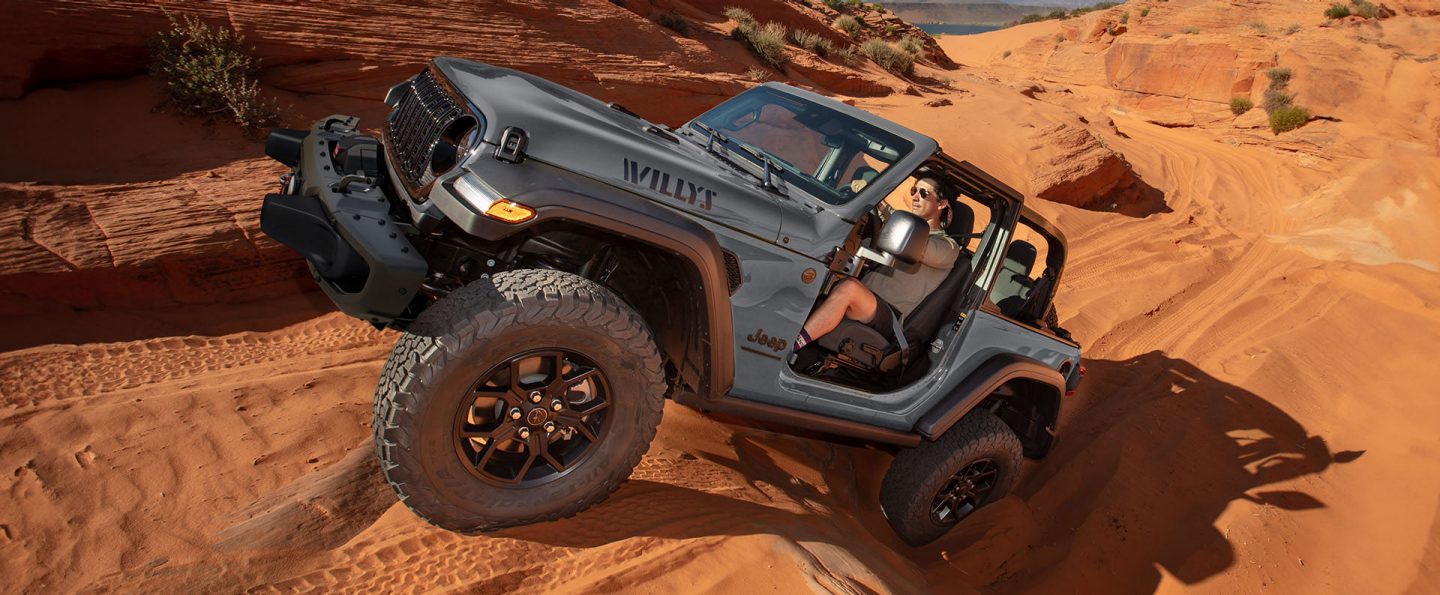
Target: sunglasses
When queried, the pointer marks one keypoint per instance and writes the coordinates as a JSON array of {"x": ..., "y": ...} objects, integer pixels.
[{"x": 924, "y": 192}]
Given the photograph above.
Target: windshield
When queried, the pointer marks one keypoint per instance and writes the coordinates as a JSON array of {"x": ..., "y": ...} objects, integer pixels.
[{"x": 826, "y": 153}]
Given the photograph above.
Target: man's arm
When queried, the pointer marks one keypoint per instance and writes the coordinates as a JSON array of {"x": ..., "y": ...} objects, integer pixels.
[{"x": 941, "y": 253}]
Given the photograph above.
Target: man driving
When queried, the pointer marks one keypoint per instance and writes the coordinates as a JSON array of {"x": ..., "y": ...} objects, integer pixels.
[{"x": 889, "y": 294}]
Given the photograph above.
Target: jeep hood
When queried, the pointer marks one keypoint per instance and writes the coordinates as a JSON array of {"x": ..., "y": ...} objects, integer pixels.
[{"x": 574, "y": 131}]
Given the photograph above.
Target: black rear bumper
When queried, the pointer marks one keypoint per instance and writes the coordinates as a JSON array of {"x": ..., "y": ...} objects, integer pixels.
[{"x": 358, "y": 253}]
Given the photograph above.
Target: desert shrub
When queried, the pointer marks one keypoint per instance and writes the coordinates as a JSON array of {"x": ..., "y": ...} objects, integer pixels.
[
  {"x": 1366, "y": 9},
  {"x": 848, "y": 55},
  {"x": 849, "y": 24},
  {"x": 1031, "y": 18},
  {"x": 739, "y": 15},
  {"x": 1288, "y": 118},
  {"x": 911, "y": 44},
  {"x": 1104, "y": 5},
  {"x": 1257, "y": 26},
  {"x": 1190, "y": 30},
  {"x": 209, "y": 73},
  {"x": 1145, "y": 12},
  {"x": 812, "y": 42},
  {"x": 891, "y": 29},
  {"x": 1292, "y": 29},
  {"x": 767, "y": 42},
  {"x": 888, "y": 56},
  {"x": 1055, "y": 15},
  {"x": 1337, "y": 11},
  {"x": 843, "y": 4},
  {"x": 1276, "y": 99},
  {"x": 1240, "y": 105},
  {"x": 1279, "y": 77},
  {"x": 1124, "y": 18},
  {"x": 757, "y": 74},
  {"x": 1166, "y": 35},
  {"x": 1005, "y": 54},
  {"x": 674, "y": 22}
]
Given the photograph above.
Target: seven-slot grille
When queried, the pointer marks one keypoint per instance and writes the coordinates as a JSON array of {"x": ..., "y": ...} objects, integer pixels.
[{"x": 421, "y": 114}]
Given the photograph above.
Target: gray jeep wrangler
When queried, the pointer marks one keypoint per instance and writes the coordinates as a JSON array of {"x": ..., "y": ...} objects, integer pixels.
[{"x": 560, "y": 267}]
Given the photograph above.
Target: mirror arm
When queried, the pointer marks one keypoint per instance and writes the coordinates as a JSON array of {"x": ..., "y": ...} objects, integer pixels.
[{"x": 876, "y": 256}]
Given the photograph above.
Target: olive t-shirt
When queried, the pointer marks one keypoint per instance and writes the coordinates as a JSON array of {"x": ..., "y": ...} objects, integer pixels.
[{"x": 905, "y": 287}]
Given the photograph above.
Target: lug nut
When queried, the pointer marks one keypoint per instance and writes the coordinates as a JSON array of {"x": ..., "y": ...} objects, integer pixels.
[
  {"x": 515, "y": 413},
  {"x": 535, "y": 397},
  {"x": 524, "y": 433},
  {"x": 549, "y": 427},
  {"x": 556, "y": 405}
]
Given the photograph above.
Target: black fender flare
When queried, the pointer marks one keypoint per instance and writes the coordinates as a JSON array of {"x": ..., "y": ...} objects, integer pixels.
[
  {"x": 986, "y": 379},
  {"x": 631, "y": 216}
]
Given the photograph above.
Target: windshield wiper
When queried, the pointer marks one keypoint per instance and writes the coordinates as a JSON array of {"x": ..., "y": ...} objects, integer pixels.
[
  {"x": 770, "y": 165},
  {"x": 766, "y": 180}
]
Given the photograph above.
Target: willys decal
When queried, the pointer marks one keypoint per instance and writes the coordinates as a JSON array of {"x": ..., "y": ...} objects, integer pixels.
[{"x": 664, "y": 183}]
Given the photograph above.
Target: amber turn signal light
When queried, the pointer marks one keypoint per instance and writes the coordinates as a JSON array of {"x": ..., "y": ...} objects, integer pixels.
[{"x": 509, "y": 212}]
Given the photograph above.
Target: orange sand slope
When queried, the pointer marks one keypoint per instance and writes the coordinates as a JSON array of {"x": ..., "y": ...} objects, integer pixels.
[{"x": 1259, "y": 313}]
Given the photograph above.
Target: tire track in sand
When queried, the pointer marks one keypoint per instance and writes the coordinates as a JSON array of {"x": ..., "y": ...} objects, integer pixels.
[{"x": 32, "y": 376}]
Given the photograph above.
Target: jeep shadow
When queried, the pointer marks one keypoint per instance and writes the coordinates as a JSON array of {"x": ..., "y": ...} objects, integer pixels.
[{"x": 1155, "y": 450}]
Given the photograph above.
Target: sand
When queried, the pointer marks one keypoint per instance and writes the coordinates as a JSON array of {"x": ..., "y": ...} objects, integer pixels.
[{"x": 1260, "y": 315}]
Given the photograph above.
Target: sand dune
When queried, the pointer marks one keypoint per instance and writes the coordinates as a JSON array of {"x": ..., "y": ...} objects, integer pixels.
[{"x": 1259, "y": 314}]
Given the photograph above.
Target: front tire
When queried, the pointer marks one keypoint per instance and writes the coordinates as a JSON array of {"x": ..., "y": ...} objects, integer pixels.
[
  {"x": 931, "y": 488},
  {"x": 524, "y": 398}
]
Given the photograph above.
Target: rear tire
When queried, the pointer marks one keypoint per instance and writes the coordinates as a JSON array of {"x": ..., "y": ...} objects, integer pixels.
[
  {"x": 425, "y": 402},
  {"x": 972, "y": 465}
]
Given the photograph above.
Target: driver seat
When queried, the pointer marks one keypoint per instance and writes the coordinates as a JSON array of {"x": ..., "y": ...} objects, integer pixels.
[{"x": 855, "y": 345}]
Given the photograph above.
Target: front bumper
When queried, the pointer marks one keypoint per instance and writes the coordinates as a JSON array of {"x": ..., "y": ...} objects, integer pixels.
[{"x": 341, "y": 222}]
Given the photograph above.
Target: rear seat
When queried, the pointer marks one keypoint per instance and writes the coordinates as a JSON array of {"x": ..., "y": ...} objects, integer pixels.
[{"x": 1014, "y": 284}]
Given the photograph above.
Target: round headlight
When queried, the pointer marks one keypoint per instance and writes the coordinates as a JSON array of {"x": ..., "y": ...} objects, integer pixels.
[{"x": 453, "y": 144}]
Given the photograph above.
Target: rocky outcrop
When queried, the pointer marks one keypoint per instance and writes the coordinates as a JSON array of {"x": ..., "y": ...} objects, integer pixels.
[{"x": 1083, "y": 172}]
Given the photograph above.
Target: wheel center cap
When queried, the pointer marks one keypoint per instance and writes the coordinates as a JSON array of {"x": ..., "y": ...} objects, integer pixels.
[{"x": 536, "y": 416}]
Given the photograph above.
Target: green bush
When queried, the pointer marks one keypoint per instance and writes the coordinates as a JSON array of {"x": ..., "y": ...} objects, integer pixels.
[
  {"x": 1276, "y": 99},
  {"x": 1165, "y": 35},
  {"x": 843, "y": 4},
  {"x": 1055, "y": 15},
  {"x": 739, "y": 15},
  {"x": 912, "y": 45},
  {"x": 1124, "y": 18},
  {"x": 674, "y": 22},
  {"x": 1240, "y": 105},
  {"x": 891, "y": 29},
  {"x": 1337, "y": 11},
  {"x": 849, "y": 25},
  {"x": 209, "y": 73},
  {"x": 812, "y": 42},
  {"x": 1292, "y": 29},
  {"x": 1288, "y": 118},
  {"x": 1366, "y": 10},
  {"x": 1145, "y": 12},
  {"x": 1190, "y": 30},
  {"x": 767, "y": 42},
  {"x": 1257, "y": 26},
  {"x": 1279, "y": 77},
  {"x": 1031, "y": 18},
  {"x": 888, "y": 56}
]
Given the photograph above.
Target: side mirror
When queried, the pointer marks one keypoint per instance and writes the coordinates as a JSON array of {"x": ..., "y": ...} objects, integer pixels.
[{"x": 903, "y": 238}]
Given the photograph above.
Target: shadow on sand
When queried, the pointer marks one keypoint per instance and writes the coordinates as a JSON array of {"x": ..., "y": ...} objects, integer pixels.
[{"x": 1152, "y": 452}]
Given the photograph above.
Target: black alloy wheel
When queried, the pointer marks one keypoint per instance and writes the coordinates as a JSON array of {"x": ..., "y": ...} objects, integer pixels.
[
  {"x": 532, "y": 418},
  {"x": 964, "y": 492}
]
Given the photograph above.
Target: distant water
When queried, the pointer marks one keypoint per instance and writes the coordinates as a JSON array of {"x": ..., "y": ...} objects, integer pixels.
[{"x": 949, "y": 29}]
